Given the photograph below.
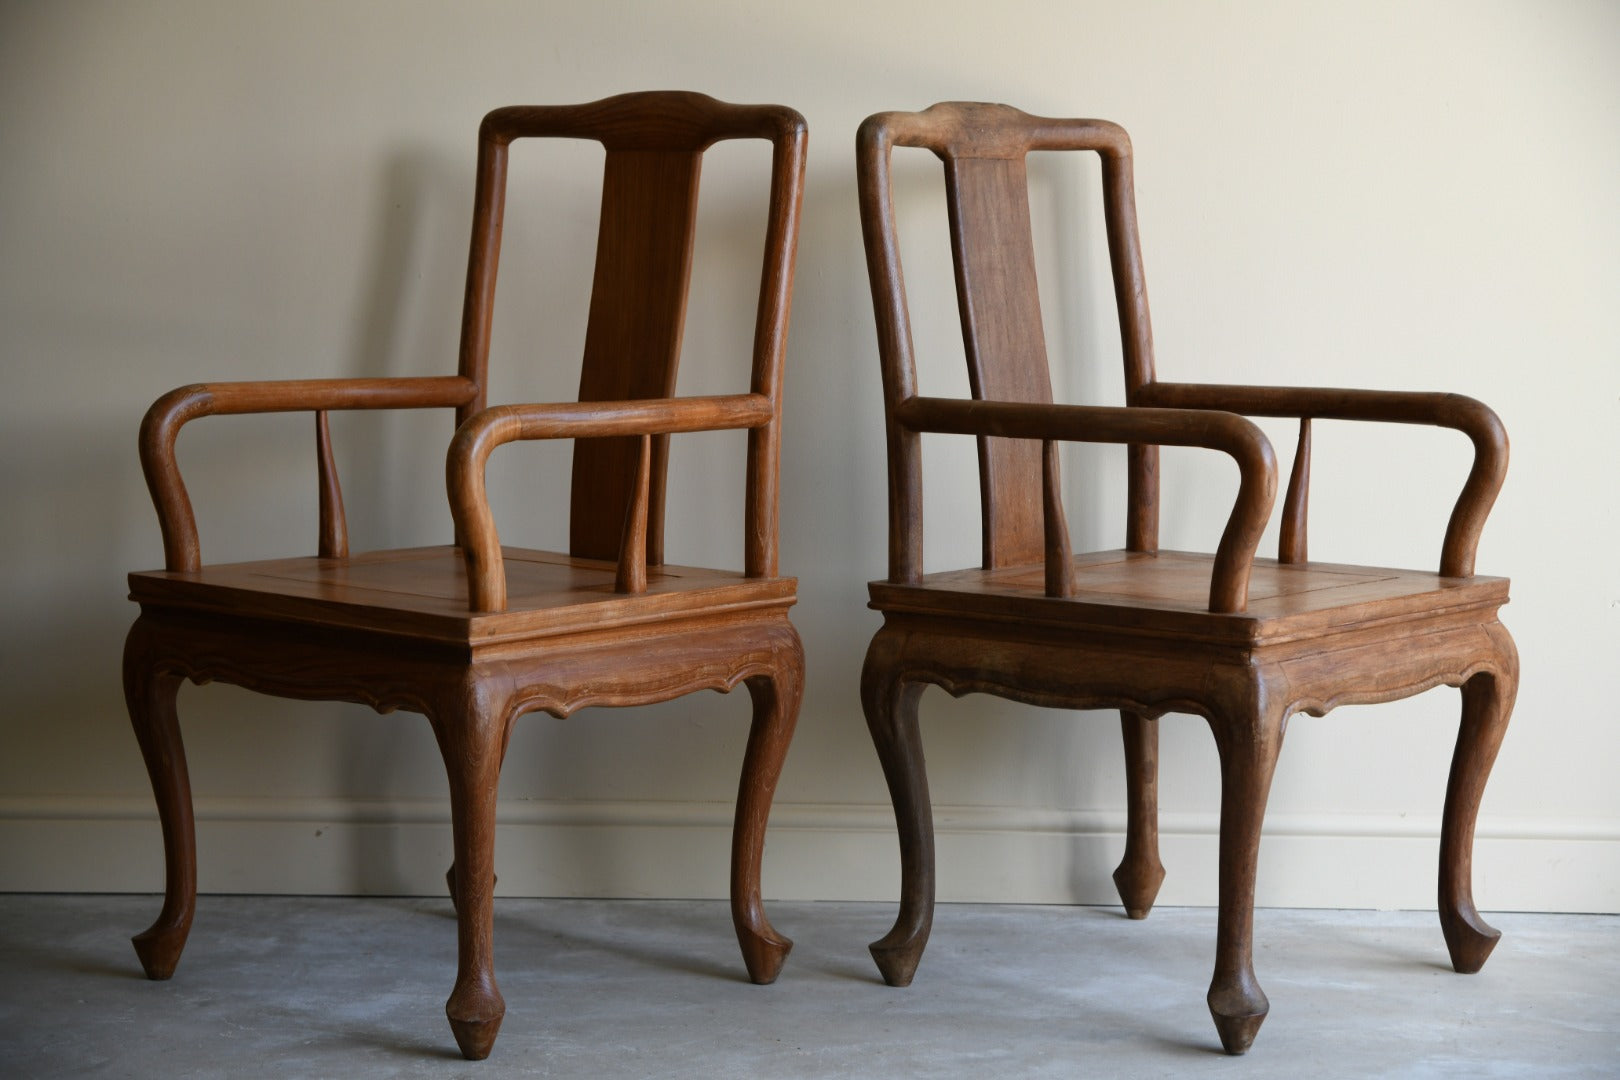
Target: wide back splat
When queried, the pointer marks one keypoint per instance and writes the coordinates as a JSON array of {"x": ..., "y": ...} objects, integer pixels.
[
  {"x": 1000, "y": 306},
  {"x": 633, "y": 337}
]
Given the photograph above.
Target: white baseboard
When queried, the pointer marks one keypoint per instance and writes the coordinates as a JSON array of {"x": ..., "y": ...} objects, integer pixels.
[{"x": 666, "y": 849}]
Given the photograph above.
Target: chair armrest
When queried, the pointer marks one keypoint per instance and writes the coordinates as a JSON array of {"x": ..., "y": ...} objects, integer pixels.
[
  {"x": 1224, "y": 431},
  {"x": 169, "y": 413},
  {"x": 1472, "y": 418},
  {"x": 478, "y": 437}
]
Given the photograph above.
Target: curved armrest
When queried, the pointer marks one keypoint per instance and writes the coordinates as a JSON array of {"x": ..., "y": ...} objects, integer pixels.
[
  {"x": 1464, "y": 414},
  {"x": 476, "y": 439},
  {"x": 169, "y": 413},
  {"x": 1225, "y": 431}
]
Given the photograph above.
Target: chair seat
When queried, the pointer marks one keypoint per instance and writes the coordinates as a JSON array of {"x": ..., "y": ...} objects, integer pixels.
[
  {"x": 421, "y": 593},
  {"x": 1168, "y": 593}
]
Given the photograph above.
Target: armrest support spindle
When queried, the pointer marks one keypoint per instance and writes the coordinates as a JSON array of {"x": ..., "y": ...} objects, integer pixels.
[
  {"x": 632, "y": 574},
  {"x": 1291, "y": 538},
  {"x": 334, "y": 527},
  {"x": 1059, "y": 555}
]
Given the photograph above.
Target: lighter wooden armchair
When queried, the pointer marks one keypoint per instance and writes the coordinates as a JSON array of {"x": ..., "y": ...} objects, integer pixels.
[
  {"x": 1240, "y": 640},
  {"x": 474, "y": 635}
]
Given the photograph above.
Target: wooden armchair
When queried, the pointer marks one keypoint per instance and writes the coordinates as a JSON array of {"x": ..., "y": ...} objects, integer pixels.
[
  {"x": 474, "y": 635},
  {"x": 1239, "y": 640}
]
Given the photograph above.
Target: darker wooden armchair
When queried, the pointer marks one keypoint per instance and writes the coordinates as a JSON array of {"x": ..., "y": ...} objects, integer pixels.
[
  {"x": 473, "y": 635},
  {"x": 1240, "y": 640}
]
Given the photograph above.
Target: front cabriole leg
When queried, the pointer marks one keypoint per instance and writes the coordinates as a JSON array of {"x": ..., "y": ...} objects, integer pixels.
[
  {"x": 1487, "y": 703},
  {"x": 776, "y": 710},
  {"x": 450, "y": 874},
  {"x": 470, "y": 723},
  {"x": 890, "y": 704},
  {"x": 150, "y": 695},
  {"x": 1249, "y": 738}
]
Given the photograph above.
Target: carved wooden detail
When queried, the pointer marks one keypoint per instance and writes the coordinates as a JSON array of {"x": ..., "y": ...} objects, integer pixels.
[
  {"x": 1240, "y": 640},
  {"x": 473, "y": 635}
]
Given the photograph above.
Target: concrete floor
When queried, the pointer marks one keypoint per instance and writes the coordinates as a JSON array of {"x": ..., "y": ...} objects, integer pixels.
[{"x": 355, "y": 988}]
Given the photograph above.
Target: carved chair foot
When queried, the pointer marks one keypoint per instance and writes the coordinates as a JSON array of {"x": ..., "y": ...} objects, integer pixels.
[
  {"x": 763, "y": 953},
  {"x": 159, "y": 948},
  {"x": 1138, "y": 884},
  {"x": 475, "y": 1014},
  {"x": 897, "y": 955},
  {"x": 1238, "y": 1010},
  {"x": 476, "y": 1038},
  {"x": 1469, "y": 939}
]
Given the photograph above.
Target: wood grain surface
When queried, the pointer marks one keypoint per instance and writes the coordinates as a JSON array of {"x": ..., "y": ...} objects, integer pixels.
[
  {"x": 1240, "y": 640},
  {"x": 473, "y": 635}
]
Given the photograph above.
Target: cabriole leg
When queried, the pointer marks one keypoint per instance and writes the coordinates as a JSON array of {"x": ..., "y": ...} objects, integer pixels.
[
  {"x": 450, "y": 874},
  {"x": 150, "y": 696},
  {"x": 1487, "y": 702},
  {"x": 1248, "y": 747},
  {"x": 1140, "y": 873},
  {"x": 470, "y": 734},
  {"x": 776, "y": 710},
  {"x": 891, "y": 716}
]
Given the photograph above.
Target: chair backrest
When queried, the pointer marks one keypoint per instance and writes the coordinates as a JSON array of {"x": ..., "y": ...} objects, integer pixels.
[
  {"x": 983, "y": 148},
  {"x": 654, "y": 145}
]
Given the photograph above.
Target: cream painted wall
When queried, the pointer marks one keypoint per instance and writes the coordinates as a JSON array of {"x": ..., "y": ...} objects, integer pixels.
[{"x": 1368, "y": 194}]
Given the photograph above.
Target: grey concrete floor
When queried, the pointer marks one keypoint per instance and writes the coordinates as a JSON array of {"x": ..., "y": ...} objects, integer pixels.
[{"x": 355, "y": 988}]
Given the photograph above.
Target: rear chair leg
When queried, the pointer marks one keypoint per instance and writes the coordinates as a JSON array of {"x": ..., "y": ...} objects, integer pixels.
[{"x": 1140, "y": 873}]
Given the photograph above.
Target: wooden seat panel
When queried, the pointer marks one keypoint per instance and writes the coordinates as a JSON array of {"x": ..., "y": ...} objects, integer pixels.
[
  {"x": 1168, "y": 592},
  {"x": 422, "y": 592}
]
